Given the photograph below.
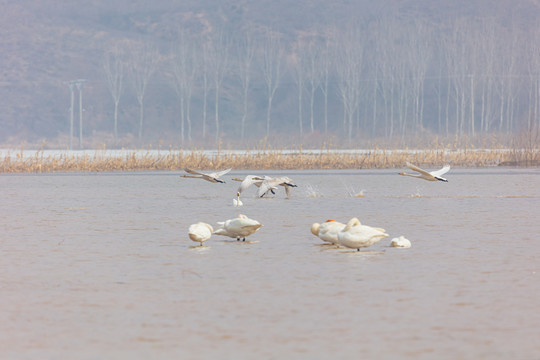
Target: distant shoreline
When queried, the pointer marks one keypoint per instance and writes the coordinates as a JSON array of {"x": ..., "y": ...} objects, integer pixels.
[{"x": 48, "y": 161}]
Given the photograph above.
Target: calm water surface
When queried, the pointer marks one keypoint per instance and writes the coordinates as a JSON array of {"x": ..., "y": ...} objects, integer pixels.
[{"x": 99, "y": 266}]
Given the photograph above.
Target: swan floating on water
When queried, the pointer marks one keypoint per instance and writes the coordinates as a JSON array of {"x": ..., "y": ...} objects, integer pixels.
[
  {"x": 355, "y": 235},
  {"x": 212, "y": 177},
  {"x": 327, "y": 231},
  {"x": 238, "y": 228},
  {"x": 400, "y": 242},
  {"x": 237, "y": 202},
  {"x": 429, "y": 176},
  {"x": 200, "y": 232}
]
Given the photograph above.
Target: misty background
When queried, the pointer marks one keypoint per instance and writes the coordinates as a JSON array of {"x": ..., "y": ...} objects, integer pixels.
[{"x": 283, "y": 73}]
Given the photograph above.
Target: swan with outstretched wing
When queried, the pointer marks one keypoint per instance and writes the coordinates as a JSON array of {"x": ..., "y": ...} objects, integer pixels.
[
  {"x": 214, "y": 177},
  {"x": 429, "y": 176}
]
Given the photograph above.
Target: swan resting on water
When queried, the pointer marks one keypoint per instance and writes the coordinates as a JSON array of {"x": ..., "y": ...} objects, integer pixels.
[
  {"x": 237, "y": 202},
  {"x": 401, "y": 242},
  {"x": 238, "y": 228},
  {"x": 200, "y": 232},
  {"x": 355, "y": 235},
  {"x": 429, "y": 176},
  {"x": 211, "y": 177},
  {"x": 327, "y": 231}
]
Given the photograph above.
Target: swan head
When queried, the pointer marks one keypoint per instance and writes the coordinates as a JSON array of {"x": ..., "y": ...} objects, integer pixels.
[
  {"x": 208, "y": 226},
  {"x": 315, "y": 229},
  {"x": 353, "y": 222}
]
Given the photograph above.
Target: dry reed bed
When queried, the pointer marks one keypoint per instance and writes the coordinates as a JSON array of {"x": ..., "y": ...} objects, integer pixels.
[{"x": 101, "y": 161}]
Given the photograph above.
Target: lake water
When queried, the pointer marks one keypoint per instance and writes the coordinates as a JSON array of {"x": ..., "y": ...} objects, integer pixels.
[{"x": 99, "y": 266}]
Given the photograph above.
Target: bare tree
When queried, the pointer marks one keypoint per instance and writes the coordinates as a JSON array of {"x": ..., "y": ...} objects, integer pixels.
[
  {"x": 298, "y": 66},
  {"x": 533, "y": 74},
  {"x": 204, "y": 68},
  {"x": 271, "y": 67},
  {"x": 245, "y": 54},
  {"x": 113, "y": 66},
  {"x": 314, "y": 71},
  {"x": 326, "y": 60},
  {"x": 420, "y": 53},
  {"x": 142, "y": 63},
  {"x": 349, "y": 69},
  {"x": 184, "y": 71},
  {"x": 219, "y": 64}
]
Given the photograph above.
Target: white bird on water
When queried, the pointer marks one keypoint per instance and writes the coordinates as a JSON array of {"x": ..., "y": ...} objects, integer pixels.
[
  {"x": 212, "y": 177},
  {"x": 238, "y": 228},
  {"x": 355, "y": 235},
  {"x": 327, "y": 231},
  {"x": 237, "y": 202},
  {"x": 429, "y": 176},
  {"x": 400, "y": 242},
  {"x": 200, "y": 232}
]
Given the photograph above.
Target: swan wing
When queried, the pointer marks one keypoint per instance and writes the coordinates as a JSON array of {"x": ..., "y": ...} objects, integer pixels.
[
  {"x": 417, "y": 169},
  {"x": 248, "y": 181},
  {"x": 288, "y": 190},
  {"x": 191, "y": 171},
  {"x": 219, "y": 174},
  {"x": 267, "y": 185},
  {"x": 440, "y": 172}
]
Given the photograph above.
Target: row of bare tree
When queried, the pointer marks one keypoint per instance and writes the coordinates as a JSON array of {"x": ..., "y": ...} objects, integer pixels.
[{"x": 386, "y": 78}]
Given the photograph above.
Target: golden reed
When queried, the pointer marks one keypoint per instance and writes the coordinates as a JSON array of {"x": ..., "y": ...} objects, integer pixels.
[{"x": 140, "y": 160}]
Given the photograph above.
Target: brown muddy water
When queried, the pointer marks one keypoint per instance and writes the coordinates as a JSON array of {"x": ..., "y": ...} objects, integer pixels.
[{"x": 99, "y": 266}]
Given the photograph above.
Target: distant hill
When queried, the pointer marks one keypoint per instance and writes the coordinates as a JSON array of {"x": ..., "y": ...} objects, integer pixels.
[{"x": 44, "y": 44}]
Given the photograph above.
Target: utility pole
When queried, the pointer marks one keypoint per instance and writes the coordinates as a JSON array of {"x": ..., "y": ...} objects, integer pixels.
[{"x": 72, "y": 84}]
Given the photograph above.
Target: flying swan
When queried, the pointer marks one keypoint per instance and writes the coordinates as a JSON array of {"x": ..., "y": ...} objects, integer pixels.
[
  {"x": 238, "y": 228},
  {"x": 355, "y": 235},
  {"x": 270, "y": 184},
  {"x": 212, "y": 177},
  {"x": 200, "y": 232},
  {"x": 429, "y": 176},
  {"x": 247, "y": 182}
]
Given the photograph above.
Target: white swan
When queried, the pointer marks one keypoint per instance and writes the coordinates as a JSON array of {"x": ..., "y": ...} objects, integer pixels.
[
  {"x": 355, "y": 235},
  {"x": 237, "y": 202},
  {"x": 328, "y": 230},
  {"x": 238, "y": 228},
  {"x": 200, "y": 232},
  {"x": 248, "y": 181},
  {"x": 212, "y": 177},
  {"x": 429, "y": 176},
  {"x": 270, "y": 184},
  {"x": 400, "y": 242}
]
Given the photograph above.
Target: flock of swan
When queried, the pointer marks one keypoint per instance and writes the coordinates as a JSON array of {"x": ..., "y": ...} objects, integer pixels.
[{"x": 353, "y": 234}]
